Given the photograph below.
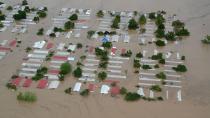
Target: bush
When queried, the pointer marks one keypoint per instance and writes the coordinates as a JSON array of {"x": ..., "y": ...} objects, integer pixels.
[
  {"x": 77, "y": 72},
  {"x": 152, "y": 16},
  {"x": 69, "y": 25},
  {"x": 160, "y": 33},
  {"x": 100, "y": 14},
  {"x": 178, "y": 24},
  {"x": 40, "y": 31},
  {"x": 73, "y": 17},
  {"x": 123, "y": 91},
  {"x": 115, "y": 23},
  {"x": 9, "y": 8},
  {"x": 68, "y": 90},
  {"x": 145, "y": 67},
  {"x": 162, "y": 61},
  {"x": 161, "y": 76},
  {"x": 65, "y": 68},
  {"x": 42, "y": 14},
  {"x": 180, "y": 68},
  {"x": 142, "y": 20},
  {"x": 24, "y": 2},
  {"x": 170, "y": 36},
  {"x": 20, "y": 15},
  {"x": 136, "y": 64},
  {"x": 157, "y": 57},
  {"x": 132, "y": 96},
  {"x": 2, "y": 17},
  {"x": 156, "y": 88},
  {"x": 11, "y": 86},
  {"x": 85, "y": 92},
  {"x": 182, "y": 32},
  {"x": 139, "y": 55},
  {"x": 107, "y": 45},
  {"x": 102, "y": 75},
  {"x": 160, "y": 43},
  {"x": 90, "y": 34},
  {"x": 206, "y": 40},
  {"x": 132, "y": 24},
  {"x": 27, "y": 97}
]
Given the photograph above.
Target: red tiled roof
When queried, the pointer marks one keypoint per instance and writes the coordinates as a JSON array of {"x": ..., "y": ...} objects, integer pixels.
[
  {"x": 16, "y": 81},
  {"x": 115, "y": 90},
  {"x": 42, "y": 83},
  {"x": 63, "y": 58},
  {"x": 13, "y": 43},
  {"x": 27, "y": 83}
]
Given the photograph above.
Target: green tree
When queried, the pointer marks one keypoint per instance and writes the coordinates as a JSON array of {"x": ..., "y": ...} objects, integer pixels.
[
  {"x": 132, "y": 96},
  {"x": 65, "y": 68},
  {"x": 69, "y": 25},
  {"x": 161, "y": 75},
  {"x": 156, "y": 88},
  {"x": 77, "y": 72},
  {"x": 160, "y": 33},
  {"x": 160, "y": 43},
  {"x": 100, "y": 14},
  {"x": 180, "y": 68},
  {"x": 142, "y": 20},
  {"x": 107, "y": 45},
  {"x": 206, "y": 40},
  {"x": 24, "y": 2},
  {"x": 170, "y": 36},
  {"x": 73, "y": 17},
  {"x": 9, "y": 8},
  {"x": 132, "y": 24},
  {"x": 42, "y": 14},
  {"x": 102, "y": 75}
]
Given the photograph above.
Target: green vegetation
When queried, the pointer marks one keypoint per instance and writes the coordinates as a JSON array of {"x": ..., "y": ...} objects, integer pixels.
[
  {"x": 157, "y": 57},
  {"x": 146, "y": 67},
  {"x": 182, "y": 32},
  {"x": 24, "y": 2},
  {"x": 152, "y": 16},
  {"x": 136, "y": 63},
  {"x": 161, "y": 76},
  {"x": 160, "y": 33},
  {"x": 123, "y": 91},
  {"x": 42, "y": 14},
  {"x": 1, "y": 25},
  {"x": 160, "y": 20},
  {"x": 20, "y": 15},
  {"x": 162, "y": 61},
  {"x": 48, "y": 57},
  {"x": 170, "y": 36},
  {"x": 85, "y": 92},
  {"x": 52, "y": 35},
  {"x": 100, "y": 14},
  {"x": 68, "y": 90},
  {"x": 77, "y": 72},
  {"x": 27, "y": 97},
  {"x": 11, "y": 86},
  {"x": 139, "y": 55},
  {"x": 79, "y": 45},
  {"x": 2, "y": 17},
  {"x": 40, "y": 73},
  {"x": 90, "y": 34},
  {"x": 115, "y": 22},
  {"x": 56, "y": 29},
  {"x": 127, "y": 54},
  {"x": 107, "y": 45},
  {"x": 73, "y": 17},
  {"x": 180, "y": 68},
  {"x": 28, "y": 49},
  {"x": 178, "y": 24},
  {"x": 69, "y": 25},
  {"x": 102, "y": 75},
  {"x": 160, "y": 43},
  {"x": 156, "y": 88},
  {"x": 36, "y": 19},
  {"x": 142, "y": 20},
  {"x": 40, "y": 31},
  {"x": 132, "y": 24},
  {"x": 9, "y": 8},
  {"x": 65, "y": 68},
  {"x": 206, "y": 40},
  {"x": 132, "y": 96}
]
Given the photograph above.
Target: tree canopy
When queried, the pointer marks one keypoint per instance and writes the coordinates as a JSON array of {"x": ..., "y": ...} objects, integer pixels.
[{"x": 65, "y": 68}]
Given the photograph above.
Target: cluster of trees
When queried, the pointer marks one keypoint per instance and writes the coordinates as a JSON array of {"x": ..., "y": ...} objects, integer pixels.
[
  {"x": 107, "y": 45},
  {"x": 115, "y": 22},
  {"x": 77, "y": 72},
  {"x": 146, "y": 67},
  {"x": 139, "y": 55},
  {"x": 100, "y": 14},
  {"x": 132, "y": 24},
  {"x": 156, "y": 88},
  {"x": 127, "y": 54},
  {"x": 102, "y": 75},
  {"x": 65, "y": 69},
  {"x": 40, "y": 73},
  {"x": 142, "y": 20},
  {"x": 206, "y": 40},
  {"x": 136, "y": 64},
  {"x": 40, "y": 31},
  {"x": 90, "y": 34},
  {"x": 20, "y": 15},
  {"x": 180, "y": 68},
  {"x": 50, "y": 54},
  {"x": 27, "y": 97},
  {"x": 69, "y": 25},
  {"x": 179, "y": 28},
  {"x": 103, "y": 55}
]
